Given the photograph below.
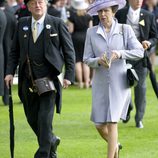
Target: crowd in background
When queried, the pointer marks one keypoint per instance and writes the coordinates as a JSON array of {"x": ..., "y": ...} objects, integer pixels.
[
  {"x": 100, "y": 59},
  {"x": 73, "y": 13}
]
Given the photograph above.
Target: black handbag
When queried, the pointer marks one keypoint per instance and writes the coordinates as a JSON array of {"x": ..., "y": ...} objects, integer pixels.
[
  {"x": 132, "y": 77},
  {"x": 41, "y": 85},
  {"x": 44, "y": 85}
]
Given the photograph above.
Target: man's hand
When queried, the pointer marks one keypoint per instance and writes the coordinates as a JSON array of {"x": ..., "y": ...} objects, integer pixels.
[
  {"x": 8, "y": 80},
  {"x": 66, "y": 83},
  {"x": 146, "y": 44}
]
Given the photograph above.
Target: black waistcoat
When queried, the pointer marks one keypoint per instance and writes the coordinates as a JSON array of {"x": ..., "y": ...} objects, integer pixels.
[{"x": 40, "y": 67}]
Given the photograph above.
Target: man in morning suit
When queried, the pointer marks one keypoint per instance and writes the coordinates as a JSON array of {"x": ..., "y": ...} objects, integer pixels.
[
  {"x": 46, "y": 42},
  {"x": 144, "y": 26}
]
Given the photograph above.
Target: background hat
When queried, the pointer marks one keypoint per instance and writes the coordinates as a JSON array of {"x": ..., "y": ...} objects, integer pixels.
[
  {"x": 53, "y": 1},
  {"x": 26, "y": 1},
  {"x": 2, "y": 1},
  {"x": 100, "y": 4},
  {"x": 79, "y": 4}
]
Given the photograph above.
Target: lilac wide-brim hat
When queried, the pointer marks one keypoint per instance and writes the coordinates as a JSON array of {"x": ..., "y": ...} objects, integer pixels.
[{"x": 100, "y": 4}]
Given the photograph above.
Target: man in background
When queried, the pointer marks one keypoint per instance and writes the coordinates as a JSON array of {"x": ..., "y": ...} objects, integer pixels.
[{"x": 144, "y": 26}]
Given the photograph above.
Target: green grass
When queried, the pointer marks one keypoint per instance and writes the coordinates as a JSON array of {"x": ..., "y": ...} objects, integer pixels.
[{"x": 79, "y": 138}]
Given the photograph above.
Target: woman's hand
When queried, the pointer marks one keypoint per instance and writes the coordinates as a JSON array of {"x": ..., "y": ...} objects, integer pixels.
[
  {"x": 107, "y": 63},
  {"x": 114, "y": 56},
  {"x": 104, "y": 61}
]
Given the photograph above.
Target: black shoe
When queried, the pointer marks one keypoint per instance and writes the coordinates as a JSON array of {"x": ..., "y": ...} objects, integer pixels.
[
  {"x": 127, "y": 118},
  {"x": 53, "y": 155},
  {"x": 128, "y": 114},
  {"x": 55, "y": 143},
  {"x": 139, "y": 124},
  {"x": 119, "y": 147}
]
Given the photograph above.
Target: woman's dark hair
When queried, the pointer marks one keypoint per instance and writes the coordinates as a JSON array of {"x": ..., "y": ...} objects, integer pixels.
[{"x": 114, "y": 8}]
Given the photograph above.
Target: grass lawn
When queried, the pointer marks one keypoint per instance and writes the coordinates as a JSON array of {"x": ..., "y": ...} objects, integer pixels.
[{"x": 79, "y": 138}]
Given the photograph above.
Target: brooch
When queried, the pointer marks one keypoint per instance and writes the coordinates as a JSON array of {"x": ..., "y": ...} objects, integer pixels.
[{"x": 48, "y": 26}]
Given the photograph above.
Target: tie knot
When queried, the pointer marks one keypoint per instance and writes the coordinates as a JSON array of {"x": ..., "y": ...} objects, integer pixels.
[{"x": 35, "y": 24}]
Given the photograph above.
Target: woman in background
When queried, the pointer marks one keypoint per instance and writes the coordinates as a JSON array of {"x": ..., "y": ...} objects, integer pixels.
[{"x": 78, "y": 24}]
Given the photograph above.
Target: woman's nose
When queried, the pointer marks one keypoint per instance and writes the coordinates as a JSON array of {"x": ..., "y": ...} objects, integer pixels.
[{"x": 102, "y": 12}]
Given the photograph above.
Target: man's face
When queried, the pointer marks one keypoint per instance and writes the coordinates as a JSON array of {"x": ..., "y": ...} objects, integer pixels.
[
  {"x": 135, "y": 4},
  {"x": 38, "y": 8},
  {"x": 63, "y": 3}
]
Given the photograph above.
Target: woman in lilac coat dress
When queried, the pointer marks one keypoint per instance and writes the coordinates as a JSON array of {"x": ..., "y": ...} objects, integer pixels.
[{"x": 107, "y": 47}]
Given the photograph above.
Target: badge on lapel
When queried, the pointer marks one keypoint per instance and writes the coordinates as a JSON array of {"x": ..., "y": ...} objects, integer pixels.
[
  {"x": 25, "y": 36},
  {"x": 25, "y": 28},
  {"x": 142, "y": 22}
]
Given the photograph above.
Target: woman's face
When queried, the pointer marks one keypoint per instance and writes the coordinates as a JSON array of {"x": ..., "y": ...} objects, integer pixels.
[{"x": 106, "y": 15}]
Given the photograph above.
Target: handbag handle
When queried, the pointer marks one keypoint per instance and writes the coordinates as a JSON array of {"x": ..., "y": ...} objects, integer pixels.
[
  {"x": 123, "y": 35},
  {"x": 30, "y": 74}
]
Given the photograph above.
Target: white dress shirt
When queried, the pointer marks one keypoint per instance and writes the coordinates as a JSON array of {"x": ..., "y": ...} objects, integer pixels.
[
  {"x": 133, "y": 15},
  {"x": 64, "y": 14}
]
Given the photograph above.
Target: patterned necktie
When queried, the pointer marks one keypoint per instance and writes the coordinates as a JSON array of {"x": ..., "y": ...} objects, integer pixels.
[{"x": 35, "y": 31}]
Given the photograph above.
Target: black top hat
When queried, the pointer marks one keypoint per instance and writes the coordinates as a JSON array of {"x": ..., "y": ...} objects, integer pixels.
[
  {"x": 2, "y": 1},
  {"x": 26, "y": 1}
]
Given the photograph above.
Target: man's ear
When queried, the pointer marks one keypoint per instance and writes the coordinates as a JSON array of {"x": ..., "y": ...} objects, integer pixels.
[{"x": 28, "y": 6}]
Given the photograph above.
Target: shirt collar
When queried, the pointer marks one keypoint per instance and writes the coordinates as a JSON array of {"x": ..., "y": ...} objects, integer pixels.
[
  {"x": 40, "y": 21},
  {"x": 114, "y": 28},
  {"x": 135, "y": 12}
]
